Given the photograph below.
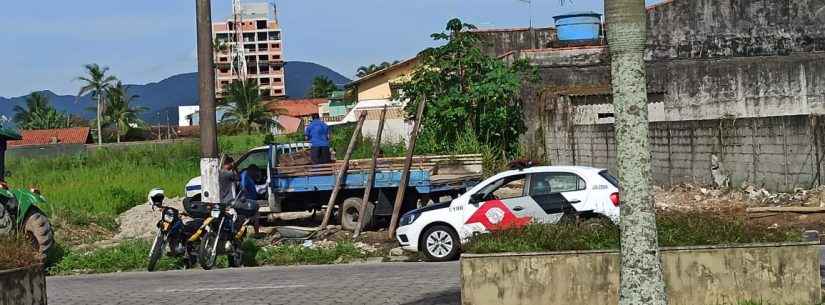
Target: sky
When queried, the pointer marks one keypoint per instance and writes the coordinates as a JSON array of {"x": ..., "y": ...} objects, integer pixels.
[{"x": 46, "y": 43}]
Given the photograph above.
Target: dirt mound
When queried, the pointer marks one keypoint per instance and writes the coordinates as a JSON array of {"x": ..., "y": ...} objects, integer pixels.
[{"x": 139, "y": 222}]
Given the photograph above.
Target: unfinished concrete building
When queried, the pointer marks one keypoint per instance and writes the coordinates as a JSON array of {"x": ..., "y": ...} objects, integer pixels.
[
  {"x": 740, "y": 81},
  {"x": 255, "y": 27}
]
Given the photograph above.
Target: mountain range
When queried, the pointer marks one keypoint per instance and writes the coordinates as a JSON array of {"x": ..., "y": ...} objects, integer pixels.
[{"x": 163, "y": 98}]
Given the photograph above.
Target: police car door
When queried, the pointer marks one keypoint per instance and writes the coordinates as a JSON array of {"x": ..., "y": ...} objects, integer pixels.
[
  {"x": 557, "y": 193},
  {"x": 505, "y": 204}
]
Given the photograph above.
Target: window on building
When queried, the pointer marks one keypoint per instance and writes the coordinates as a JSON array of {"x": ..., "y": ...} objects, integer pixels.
[
  {"x": 264, "y": 69},
  {"x": 276, "y": 56},
  {"x": 251, "y": 70},
  {"x": 276, "y": 45},
  {"x": 224, "y": 59},
  {"x": 274, "y": 35},
  {"x": 265, "y": 93},
  {"x": 263, "y": 57},
  {"x": 224, "y": 83},
  {"x": 224, "y": 70},
  {"x": 277, "y": 79},
  {"x": 231, "y": 25},
  {"x": 262, "y": 37},
  {"x": 279, "y": 91},
  {"x": 264, "y": 81},
  {"x": 249, "y": 37},
  {"x": 261, "y": 24},
  {"x": 263, "y": 47}
]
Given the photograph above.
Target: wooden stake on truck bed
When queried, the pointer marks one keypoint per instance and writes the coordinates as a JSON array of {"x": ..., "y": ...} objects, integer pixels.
[
  {"x": 340, "y": 179},
  {"x": 405, "y": 175},
  {"x": 376, "y": 149}
]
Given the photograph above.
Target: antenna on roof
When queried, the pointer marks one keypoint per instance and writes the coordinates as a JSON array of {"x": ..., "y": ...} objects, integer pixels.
[{"x": 530, "y": 9}]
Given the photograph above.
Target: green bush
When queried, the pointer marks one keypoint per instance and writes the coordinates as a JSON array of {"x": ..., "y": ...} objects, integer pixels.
[
  {"x": 674, "y": 229},
  {"x": 127, "y": 256}
]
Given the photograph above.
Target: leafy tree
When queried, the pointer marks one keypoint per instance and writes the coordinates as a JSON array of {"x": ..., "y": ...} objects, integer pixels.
[
  {"x": 245, "y": 109},
  {"x": 367, "y": 70},
  {"x": 467, "y": 92},
  {"x": 641, "y": 272},
  {"x": 96, "y": 83},
  {"x": 39, "y": 114},
  {"x": 322, "y": 87},
  {"x": 119, "y": 111}
]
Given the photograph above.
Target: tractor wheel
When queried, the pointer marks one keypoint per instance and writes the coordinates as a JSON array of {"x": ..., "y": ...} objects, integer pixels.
[
  {"x": 6, "y": 221},
  {"x": 39, "y": 230}
]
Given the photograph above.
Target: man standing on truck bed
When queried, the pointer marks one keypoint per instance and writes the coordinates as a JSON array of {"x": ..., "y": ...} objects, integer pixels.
[{"x": 318, "y": 134}]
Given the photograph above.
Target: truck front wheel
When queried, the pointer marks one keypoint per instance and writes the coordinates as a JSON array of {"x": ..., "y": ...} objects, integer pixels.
[
  {"x": 351, "y": 212},
  {"x": 39, "y": 230}
]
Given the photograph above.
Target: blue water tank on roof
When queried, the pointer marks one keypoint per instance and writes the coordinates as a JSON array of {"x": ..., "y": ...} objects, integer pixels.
[{"x": 579, "y": 26}]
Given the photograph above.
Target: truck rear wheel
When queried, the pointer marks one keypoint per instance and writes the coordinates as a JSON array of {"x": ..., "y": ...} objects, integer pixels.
[
  {"x": 351, "y": 212},
  {"x": 39, "y": 230}
]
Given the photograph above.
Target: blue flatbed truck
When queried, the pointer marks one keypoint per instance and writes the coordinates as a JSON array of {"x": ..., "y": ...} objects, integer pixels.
[{"x": 308, "y": 187}]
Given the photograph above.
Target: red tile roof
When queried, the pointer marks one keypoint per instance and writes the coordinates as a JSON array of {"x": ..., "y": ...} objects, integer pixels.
[
  {"x": 297, "y": 108},
  {"x": 79, "y": 135}
]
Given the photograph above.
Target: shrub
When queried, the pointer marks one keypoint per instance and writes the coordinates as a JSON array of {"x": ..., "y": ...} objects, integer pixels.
[
  {"x": 17, "y": 252},
  {"x": 674, "y": 229}
]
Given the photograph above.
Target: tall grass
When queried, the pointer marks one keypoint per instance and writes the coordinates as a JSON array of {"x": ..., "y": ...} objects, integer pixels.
[{"x": 98, "y": 185}]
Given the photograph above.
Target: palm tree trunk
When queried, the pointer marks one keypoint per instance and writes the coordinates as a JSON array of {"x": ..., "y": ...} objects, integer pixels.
[
  {"x": 117, "y": 128},
  {"x": 99, "y": 125},
  {"x": 641, "y": 272}
]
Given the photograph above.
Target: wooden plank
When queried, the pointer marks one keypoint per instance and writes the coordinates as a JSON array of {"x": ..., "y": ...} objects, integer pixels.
[
  {"x": 405, "y": 174},
  {"x": 802, "y": 210},
  {"x": 376, "y": 149},
  {"x": 340, "y": 179}
]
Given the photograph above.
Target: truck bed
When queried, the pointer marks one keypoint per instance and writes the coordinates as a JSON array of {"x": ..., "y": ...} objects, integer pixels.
[{"x": 429, "y": 174}]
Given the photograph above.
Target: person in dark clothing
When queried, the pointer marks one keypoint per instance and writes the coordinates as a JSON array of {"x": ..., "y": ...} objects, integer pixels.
[
  {"x": 318, "y": 134},
  {"x": 247, "y": 203},
  {"x": 227, "y": 177}
]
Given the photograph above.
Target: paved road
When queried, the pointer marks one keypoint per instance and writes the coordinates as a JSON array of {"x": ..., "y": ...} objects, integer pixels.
[{"x": 402, "y": 283}]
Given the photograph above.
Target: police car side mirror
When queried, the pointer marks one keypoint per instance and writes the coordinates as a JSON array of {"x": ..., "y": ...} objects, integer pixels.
[{"x": 476, "y": 198}]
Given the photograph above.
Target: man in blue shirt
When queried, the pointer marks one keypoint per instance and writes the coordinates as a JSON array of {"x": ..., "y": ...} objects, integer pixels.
[{"x": 317, "y": 133}]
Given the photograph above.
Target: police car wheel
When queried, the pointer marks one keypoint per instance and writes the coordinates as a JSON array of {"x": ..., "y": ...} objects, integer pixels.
[{"x": 440, "y": 243}]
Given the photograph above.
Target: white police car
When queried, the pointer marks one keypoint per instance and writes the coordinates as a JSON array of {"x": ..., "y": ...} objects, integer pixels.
[{"x": 510, "y": 199}]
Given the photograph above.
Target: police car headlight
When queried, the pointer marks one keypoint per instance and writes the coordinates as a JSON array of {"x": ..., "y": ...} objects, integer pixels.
[{"x": 409, "y": 218}]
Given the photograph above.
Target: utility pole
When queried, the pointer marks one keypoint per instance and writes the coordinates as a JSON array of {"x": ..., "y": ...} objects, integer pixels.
[{"x": 210, "y": 164}]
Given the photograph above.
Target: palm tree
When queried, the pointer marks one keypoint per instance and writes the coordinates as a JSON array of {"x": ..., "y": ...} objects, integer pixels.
[
  {"x": 641, "y": 273},
  {"x": 39, "y": 114},
  {"x": 367, "y": 70},
  {"x": 322, "y": 87},
  {"x": 245, "y": 109},
  {"x": 119, "y": 112},
  {"x": 36, "y": 102},
  {"x": 96, "y": 83}
]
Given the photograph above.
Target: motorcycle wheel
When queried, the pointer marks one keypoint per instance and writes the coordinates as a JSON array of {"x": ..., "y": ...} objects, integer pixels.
[
  {"x": 157, "y": 250},
  {"x": 208, "y": 251}
]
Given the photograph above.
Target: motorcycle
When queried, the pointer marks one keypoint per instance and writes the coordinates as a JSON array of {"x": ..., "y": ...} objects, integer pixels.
[
  {"x": 223, "y": 233},
  {"x": 173, "y": 231}
]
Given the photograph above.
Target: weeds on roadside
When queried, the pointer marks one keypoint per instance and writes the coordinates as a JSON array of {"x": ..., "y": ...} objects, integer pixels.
[
  {"x": 299, "y": 255},
  {"x": 127, "y": 256},
  {"x": 674, "y": 229}
]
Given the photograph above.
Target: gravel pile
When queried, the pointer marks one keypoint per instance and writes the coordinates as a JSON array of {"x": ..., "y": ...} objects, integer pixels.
[{"x": 140, "y": 222}]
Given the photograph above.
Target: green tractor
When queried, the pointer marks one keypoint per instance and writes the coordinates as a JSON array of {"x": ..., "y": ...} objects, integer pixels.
[{"x": 18, "y": 207}]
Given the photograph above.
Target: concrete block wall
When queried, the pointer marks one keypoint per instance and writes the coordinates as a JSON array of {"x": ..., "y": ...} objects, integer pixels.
[{"x": 778, "y": 153}]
